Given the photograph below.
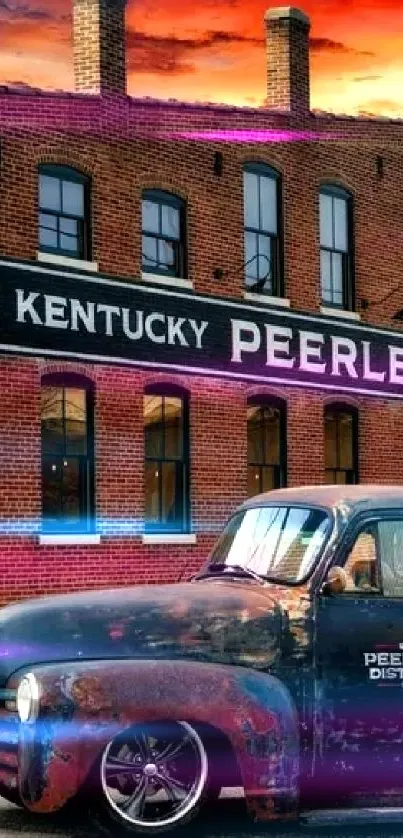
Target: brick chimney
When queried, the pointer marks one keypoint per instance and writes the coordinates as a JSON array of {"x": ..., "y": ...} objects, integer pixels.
[
  {"x": 99, "y": 46},
  {"x": 287, "y": 40}
]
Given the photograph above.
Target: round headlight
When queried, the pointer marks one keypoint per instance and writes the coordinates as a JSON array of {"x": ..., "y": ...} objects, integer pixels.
[{"x": 28, "y": 698}]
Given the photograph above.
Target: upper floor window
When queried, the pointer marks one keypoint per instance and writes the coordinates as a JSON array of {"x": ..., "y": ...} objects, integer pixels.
[
  {"x": 262, "y": 229},
  {"x": 341, "y": 444},
  {"x": 266, "y": 424},
  {"x": 64, "y": 212},
  {"x": 336, "y": 261},
  {"x": 67, "y": 424},
  {"x": 163, "y": 234},
  {"x": 166, "y": 429}
]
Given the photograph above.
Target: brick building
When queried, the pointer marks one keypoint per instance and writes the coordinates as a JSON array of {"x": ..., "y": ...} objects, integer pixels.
[{"x": 197, "y": 302}]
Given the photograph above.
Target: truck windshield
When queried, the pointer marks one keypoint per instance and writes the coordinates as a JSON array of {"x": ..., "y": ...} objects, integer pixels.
[{"x": 280, "y": 543}]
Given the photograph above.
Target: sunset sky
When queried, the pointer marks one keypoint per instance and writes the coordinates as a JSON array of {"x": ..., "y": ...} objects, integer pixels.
[{"x": 213, "y": 50}]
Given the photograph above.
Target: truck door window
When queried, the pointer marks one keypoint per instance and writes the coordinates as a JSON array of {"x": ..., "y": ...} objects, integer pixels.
[
  {"x": 390, "y": 539},
  {"x": 362, "y": 566}
]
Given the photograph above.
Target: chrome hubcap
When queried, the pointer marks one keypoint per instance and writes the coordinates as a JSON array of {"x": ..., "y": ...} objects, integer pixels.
[
  {"x": 154, "y": 776},
  {"x": 150, "y": 770}
]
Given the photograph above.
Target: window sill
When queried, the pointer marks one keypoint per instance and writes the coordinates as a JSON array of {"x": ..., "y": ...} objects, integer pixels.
[
  {"x": 66, "y": 261},
  {"x": 161, "y": 538},
  {"x": 339, "y": 312},
  {"x": 70, "y": 539},
  {"x": 173, "y": 281},
  {"x": 268, "y": 301}
]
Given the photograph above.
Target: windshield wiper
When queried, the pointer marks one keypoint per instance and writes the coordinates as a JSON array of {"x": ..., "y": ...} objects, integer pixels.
[{"x": 235, "y": 568}]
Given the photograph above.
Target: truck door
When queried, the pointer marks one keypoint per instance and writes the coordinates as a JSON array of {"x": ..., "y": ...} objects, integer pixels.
[{"x": 358, "y": 728}]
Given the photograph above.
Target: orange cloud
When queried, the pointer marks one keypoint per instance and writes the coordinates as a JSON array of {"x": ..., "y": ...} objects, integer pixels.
[{"x": 215, "y": 50}]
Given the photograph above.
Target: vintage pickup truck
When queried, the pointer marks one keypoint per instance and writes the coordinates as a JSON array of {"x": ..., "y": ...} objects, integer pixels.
[{"x": 278, "y": 668}]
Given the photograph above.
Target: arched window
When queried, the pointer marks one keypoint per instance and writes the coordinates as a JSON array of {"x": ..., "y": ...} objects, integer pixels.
[
  {"x": 67, "y": 430},
  {"x": 163, "y": 234},
  {"x": 64, "y": 212},
  {"x": 341, "y": 444},
  {"x": 267, "y": 445},
  {"x": 336, "y": 247},
  {"x": 166, "y": 429},
  {"x": 262, "y": 229}
]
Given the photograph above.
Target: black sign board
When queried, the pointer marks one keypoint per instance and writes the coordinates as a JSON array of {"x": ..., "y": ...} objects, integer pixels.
[{"x": 60, "y": 313}]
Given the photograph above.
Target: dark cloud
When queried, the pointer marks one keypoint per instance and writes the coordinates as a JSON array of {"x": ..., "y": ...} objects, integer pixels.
[
  {"x": 168, "y": 54},
  {"x": 22, "y": 84},
  {"x": 367, "y": 78},
  {"x": 23, "y": 11},
  {"x": 172, "y": 55},
  {"x": 328, "y": 45}
]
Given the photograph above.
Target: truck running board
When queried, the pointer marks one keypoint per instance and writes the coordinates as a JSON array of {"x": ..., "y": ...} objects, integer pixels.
[{"x": 365, "y": 815}]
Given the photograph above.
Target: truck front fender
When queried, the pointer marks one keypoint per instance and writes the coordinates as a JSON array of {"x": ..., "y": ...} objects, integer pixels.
[{"x": 84, "y": 705}]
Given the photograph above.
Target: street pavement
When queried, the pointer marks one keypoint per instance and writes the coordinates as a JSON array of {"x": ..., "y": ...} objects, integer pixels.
[{"x": 228, "y": 820}]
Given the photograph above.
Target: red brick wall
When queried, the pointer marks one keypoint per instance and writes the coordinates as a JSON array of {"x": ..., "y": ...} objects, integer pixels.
[
  {"x": 218, "y": 475},
  {"x": 117, "y": 143}
]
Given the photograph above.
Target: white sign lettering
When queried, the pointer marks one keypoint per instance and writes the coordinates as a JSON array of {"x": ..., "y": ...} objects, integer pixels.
[
  {"x": 311, "y": 345},
  {"x": 344, "y": 354},
  {"x": 278, "y": 344},
  {"x": 270, "y": 347},
  {"x": 245, "y": 338},
  {"x": 62, "y": 313},
  {"x": 25, "y": 305},
  {"x": 396, "y": 365},
  {"x": 388, "y": 666}
]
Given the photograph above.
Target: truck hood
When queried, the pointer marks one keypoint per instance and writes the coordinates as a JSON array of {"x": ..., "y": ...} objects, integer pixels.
[{"x": 232, "y": 621}]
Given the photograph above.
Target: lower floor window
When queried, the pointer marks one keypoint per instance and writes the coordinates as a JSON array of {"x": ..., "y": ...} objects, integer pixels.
[
  {"x": 67, "y": 434},
  {"x": 166, "y": 461},
  {"x": 67, "y": 454},
  {"x": 266, "y": 447},
  {"x": 341, "y": 444},
  {"x": 165, "y": 496},
  {"x": 64, "y": 492}
]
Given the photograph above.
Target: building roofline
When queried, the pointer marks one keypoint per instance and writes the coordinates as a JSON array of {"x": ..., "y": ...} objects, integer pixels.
[{"x": 315, "y": 114}]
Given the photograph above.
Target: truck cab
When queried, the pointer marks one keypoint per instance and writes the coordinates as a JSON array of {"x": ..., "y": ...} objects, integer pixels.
[{"x": 279, "y": 664}]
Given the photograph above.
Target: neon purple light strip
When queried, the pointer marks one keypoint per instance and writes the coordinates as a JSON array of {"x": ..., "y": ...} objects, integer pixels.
[{"x": 248, "y": 136}]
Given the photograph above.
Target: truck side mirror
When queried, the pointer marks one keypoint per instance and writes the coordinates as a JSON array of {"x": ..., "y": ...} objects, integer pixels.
[{"x": 336, "y": 582}]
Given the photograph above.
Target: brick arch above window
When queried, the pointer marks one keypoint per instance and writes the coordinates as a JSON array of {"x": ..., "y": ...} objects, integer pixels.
[
  {"x": 334, "y": 179},
  {"x": 340, "y": 404},
  {"x": 168, "y": 187},
  {"x": 336, "y": 187},
  {"x": 253, "y": 163},
  {"x": 272, "y": 393},
  {"x": 67, "y": 379},
  {"x": 149, "y": 379},
  {"x": 62, "y": 368},
  {"x": 347, "y": 401},
  {"x": 267, "y": 399},
  {"x": 166, "y": 388},
  {"x": 69, "y": 160},
  {"x": 164, "y": 194}
]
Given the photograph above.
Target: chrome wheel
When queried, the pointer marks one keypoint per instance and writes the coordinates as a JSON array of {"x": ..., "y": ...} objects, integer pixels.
[{"x": 153, "y": 776}]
